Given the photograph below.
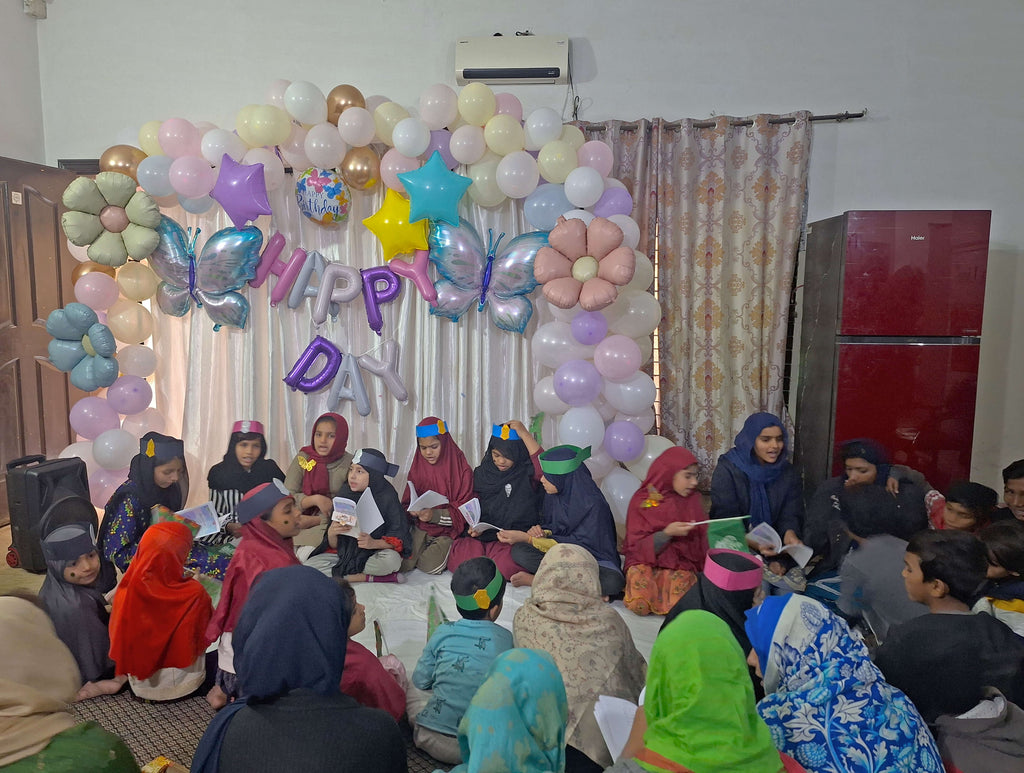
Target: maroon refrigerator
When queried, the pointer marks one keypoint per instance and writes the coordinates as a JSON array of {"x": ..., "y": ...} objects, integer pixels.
[{"x": 889, "y": 339}]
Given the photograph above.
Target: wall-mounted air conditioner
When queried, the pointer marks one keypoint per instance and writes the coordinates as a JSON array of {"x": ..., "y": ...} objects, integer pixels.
[{"x": 509, "y": 59}]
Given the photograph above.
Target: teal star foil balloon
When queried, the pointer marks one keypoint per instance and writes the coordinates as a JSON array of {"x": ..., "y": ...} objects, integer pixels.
[{"x": 434, "y": 191}]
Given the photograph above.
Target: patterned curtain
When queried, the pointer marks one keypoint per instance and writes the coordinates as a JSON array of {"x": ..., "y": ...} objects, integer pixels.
[{"x": 728, "y": 203}]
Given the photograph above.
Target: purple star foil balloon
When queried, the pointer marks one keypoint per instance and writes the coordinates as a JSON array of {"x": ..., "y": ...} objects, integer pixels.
[{"x": 241, "y": 190}]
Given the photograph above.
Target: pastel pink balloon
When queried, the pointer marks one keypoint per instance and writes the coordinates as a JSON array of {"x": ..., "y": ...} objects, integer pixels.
[
  {"x": 597, "y": 155},
  {"x": 617, "y": 358},
  {"x": 192, "y": 176},
  {"x": 97, "y": 291},
  {"x": 179, "y": 137},
  {"x": 393, "y": 164},
  {"x": 508, "y": 104},
  {"x": 90, "y": 417},
  {"x": 130, "y": 395}
]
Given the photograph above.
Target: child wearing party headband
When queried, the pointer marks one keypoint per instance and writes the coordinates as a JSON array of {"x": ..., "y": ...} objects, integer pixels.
[
  {"x": 373, "y": 557},
  {"x": 575, "y": 512},
  {"x": 439, "y": 465},
  {"x": 456, "y": 659},
  {"x": 244, "y": 467},
  {"x": 507, "y": 483}
]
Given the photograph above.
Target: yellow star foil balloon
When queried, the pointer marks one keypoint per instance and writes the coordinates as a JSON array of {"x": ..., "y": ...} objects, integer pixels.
[{"x": 390, "y": 224}]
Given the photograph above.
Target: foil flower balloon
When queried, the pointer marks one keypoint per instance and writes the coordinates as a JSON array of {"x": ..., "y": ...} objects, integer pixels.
[
  {"x": 111, "y": 217},
  {"x": 228, "y": 260},
  {"x": 584, "y": 264},
  {"x": 496, "y": 279},
  {"x": 82, "y": 346}
]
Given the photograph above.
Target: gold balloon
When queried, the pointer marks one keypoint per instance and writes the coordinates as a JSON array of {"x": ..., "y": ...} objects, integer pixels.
[
  {"x": 340, "y": 99},
  {"x": 88, "y": 266},
  {"x": 122, "y": 158},
  {"x": 360, "y": 169}
]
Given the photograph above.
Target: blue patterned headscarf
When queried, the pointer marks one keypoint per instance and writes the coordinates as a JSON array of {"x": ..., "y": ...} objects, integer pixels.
[
  {"x": 827, "y": 704},
  {"x": 517, "y": 718},
  {"x": 759, "y": 474}
]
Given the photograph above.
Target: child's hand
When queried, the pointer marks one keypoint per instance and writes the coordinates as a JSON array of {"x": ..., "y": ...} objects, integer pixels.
[
  {"x": 337, "y": 527},
  {"x": 233, "y": 529},
  {"x": 518, "y": 426},
  {"x": 512, "y": 536},
  {"x": 367, "y": 542},
  {"x": 535, "y": 531},
  {"x": 679, "y": 528},
  {"x": 422, "y": 515}
]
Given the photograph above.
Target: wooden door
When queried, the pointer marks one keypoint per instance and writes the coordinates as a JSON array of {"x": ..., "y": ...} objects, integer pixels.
[{"x": 35, "y": 279}]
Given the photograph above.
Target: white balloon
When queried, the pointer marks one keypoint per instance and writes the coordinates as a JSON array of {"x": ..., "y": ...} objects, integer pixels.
[
  {"x": 546, "y": 400},
  {"x": 356, "y": 126},
  {"x": 305, "y": 102},
  {"x": 633, "y": 395},
  {"x": 600, "y": 463},
  {"x": 563, "y": 315},
  {"x": 467, "y": 144},
  {"x": 543, "y": 125},
  {"x": 410, "y": 137},
  {"x": 611, "y": 182},
  {"x": 644, "y": 420},
  {"x": 654, "y": 446},
  {"x": 324, "y": 146},
  {"x": 640, "y": 315},
  {"x": 114, "y": 449},
  {"x": 579, "y": 214},
  {"x": 646, "y": 345},
  {"x": 580, "y": 426},
  {"x": 83, "y": 450},
  {"x": 220, "y": 142},
  {"x": 618, "y": 488},
  {"x": 643, "y": 274},
  {"x": 136, "y": 360},
  {"x": 630, "y": 230},
  {"x": 584, "y": 186},
  {"x": 439, "y": 106},
  {"x": 275, "y": 93},
  {"x": 150, "y": 420},
  {"x": 553, "y": 345},
  {"x": 273, "y": 169},
  {"x": 518, "y": 175},
  {"x": 605, "y": 408}
]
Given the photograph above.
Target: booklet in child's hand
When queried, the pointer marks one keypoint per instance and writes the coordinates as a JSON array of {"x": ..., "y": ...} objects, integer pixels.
[
  {"x": 425, "y": 501},
  {"x": 764, "y": 535},
  {"x": 202, "y": 521},
  {"x": 363, "y": 516},
  {"x": 471, "y": 512},
  {"x": 615, "y": 720},
  {"x": 345, "y": 514}
]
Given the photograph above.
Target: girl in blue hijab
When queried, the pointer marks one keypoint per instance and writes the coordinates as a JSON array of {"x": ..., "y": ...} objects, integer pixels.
[{"x": 755, "y": 478}]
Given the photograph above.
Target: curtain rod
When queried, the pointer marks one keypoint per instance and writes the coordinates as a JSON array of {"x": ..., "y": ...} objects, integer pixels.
[{"x": 709, "y": 124}]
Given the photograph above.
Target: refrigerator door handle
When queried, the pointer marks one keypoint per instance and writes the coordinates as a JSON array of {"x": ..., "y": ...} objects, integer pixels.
[{"x": 912, "y": 340}]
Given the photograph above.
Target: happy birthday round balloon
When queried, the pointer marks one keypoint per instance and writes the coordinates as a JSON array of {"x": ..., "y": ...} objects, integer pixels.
[{"x": 323, "y": 196}]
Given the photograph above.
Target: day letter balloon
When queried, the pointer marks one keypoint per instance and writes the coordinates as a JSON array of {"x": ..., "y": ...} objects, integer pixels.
[
  {"x": 349, "y": 385},
  {"x": 387, "y": 368},
  {"x": 319, "y": 346}
]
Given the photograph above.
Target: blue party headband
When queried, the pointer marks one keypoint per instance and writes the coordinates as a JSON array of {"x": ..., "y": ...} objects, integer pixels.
[
  {"x": 432, "y": 430},
  {"x": 504, "y": 431}
]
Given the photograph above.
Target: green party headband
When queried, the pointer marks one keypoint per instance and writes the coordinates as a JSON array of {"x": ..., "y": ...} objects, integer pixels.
[
  {"x": 483, "y": 598},
  {"x": 563, "y": 466},
  {"x": 432, "y": 430}
]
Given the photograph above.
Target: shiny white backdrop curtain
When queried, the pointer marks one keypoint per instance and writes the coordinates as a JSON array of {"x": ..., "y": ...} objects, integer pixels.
[{"x": 470, "y": 373}]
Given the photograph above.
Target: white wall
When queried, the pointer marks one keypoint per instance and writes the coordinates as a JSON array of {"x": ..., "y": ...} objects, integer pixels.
[
  {"x": 21, "y": 108},
  {"x": 941, "y": 79}
]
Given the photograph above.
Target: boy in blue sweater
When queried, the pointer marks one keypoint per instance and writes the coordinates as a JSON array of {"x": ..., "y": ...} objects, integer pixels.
[{"x": 456, "y": 659}]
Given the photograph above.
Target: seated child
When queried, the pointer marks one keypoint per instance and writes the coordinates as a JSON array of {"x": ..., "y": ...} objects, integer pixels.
[
  {"x": 317, "y": 473},
  {"x": 374, "y": 557},
  {"x": 73, "y": 593},
  {"x": 966, "y": 506},
  {"x": 1004, "y": 594},
  {"x": 268, "y": 516},
  {"x": 244, "y": 467},
  {"x": 663, "y": 549},
  {"x": 159, "y": 618},
  {"x": 507, "y": 483},
  {"x": 365, "y": 678},
  {"x": 576, "y": 512},
  {"x": 439, "y": 465},
  {"x": 456, "y": 659},
  {"x": 157, "y": 476},
  {"x": 1013, "y": 493},
  {"x": 944, "y": 570}
]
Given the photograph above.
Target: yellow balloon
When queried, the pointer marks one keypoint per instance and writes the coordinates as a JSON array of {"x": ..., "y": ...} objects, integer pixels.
[
  {"x": 130, "y": 322},
  {"x": 504, "y": 134},
  {"x": 149, "y": 138},
  {"x": 269, "y": 125},
  {"x": 390, "y": 224},
  {"x": 385, "y": 117},
  {"x": 573, "y": 135},
  {"x": 477, "y": 103},
  {"x": 556, "y": 160},
  {"x": 484, "y": 190},
  {"x": 137, "y": 281},
  {"x": 244, "y": 125}
]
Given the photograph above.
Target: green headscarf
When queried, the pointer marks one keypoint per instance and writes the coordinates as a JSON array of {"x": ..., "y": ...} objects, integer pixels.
[{"x": 700, "y": 702}]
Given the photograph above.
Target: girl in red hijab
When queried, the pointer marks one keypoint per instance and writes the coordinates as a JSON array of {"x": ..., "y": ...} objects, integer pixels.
[
  {"x": 317, "y": 473},
  {"x": 159, "y": 618},
  {"x": 663, "y": 548},
  {"x": 439, "y": 465}
]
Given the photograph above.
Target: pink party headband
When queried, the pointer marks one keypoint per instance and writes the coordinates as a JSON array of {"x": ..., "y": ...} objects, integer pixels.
[
  {"x": 727, "y": 579},
  {"x": 247, "y": 426}
]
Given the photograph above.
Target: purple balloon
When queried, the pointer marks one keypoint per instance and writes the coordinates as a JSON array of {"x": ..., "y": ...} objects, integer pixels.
[
  {"x": 130, "y": 395},
  {"x": 374, "y": 296},
  {"x": 440, "y": 139},
  {"x": 297, "y": 378},
  {"x": 623, "y": 441},
  {"x": 577, "y": 382},
  {"x": 589, "y": 327},
  {"x": 614, "y": 201},
  {"x": 92, "y": 416},
  {"x": 241, "y": 190}
]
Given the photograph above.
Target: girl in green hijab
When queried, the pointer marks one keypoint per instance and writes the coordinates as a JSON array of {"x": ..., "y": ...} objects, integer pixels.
[{"x": 699, "y": 705}]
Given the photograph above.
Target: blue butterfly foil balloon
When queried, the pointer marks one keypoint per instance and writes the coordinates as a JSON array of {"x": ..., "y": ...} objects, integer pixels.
[
  {"x": 210, "y": 280},
  {"x": 495, "y": 278}
]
